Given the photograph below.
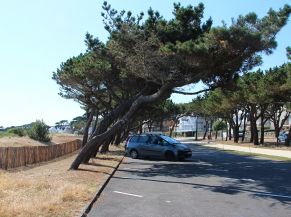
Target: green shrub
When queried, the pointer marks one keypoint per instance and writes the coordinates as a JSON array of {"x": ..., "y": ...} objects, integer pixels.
[
  {"x": 17, "y": 131},
  {"x": 39, "y": 131},
  {"x": 219, "y": 125}
]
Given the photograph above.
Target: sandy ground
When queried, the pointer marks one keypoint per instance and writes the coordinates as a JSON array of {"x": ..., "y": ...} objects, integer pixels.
[
  {"x": 51, "y": 190},
  {"x": 26, "y": 141}
]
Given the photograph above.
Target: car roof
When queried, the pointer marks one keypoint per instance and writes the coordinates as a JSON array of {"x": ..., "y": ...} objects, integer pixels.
[{"x": 147, "y": 134}]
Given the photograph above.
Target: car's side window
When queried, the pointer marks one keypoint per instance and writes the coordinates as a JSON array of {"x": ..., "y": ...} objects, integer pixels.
[
  {"x": 162, "y": 142},
  {"x": 143, "y": 139},
  {"x": 133, "y": 139},
  {"x": 154, "y": 140}
]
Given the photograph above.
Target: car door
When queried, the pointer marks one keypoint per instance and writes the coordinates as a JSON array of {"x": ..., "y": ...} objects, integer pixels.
[
  {"x": 156, "y": 146},
  {"x": 144, "y": 146}
]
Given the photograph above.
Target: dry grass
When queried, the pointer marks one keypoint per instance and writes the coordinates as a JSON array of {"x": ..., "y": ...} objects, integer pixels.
[
  {"x": 16, "y": 141},
  {"x": 51, "y": 190},
  {"x": 61, "y": 138}
]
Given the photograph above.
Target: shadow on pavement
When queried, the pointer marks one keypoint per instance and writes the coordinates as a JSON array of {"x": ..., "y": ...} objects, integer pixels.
[{"x": 258, "y": 176}]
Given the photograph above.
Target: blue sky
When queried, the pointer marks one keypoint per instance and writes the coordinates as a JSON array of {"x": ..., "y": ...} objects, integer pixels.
[{"x": 37, "y": 35}]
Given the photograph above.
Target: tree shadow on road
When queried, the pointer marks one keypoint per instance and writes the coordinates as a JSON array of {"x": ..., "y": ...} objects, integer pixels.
[{"x": 235, "y": 173}]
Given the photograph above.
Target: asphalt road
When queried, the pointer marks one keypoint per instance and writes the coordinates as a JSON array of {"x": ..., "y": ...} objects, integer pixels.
[{"x": 210, "y": 184}]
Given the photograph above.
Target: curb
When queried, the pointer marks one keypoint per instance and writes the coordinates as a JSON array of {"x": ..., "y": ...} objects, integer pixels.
[{"x": 96, "y": 197}]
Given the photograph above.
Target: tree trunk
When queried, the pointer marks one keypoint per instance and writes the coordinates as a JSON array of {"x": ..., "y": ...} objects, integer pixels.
[
  {"x": 288, "y": 140},
  {"x": 140, "y": 127},
  {"x": 226, "y": 130},
  {"x": 254, "y": 128},
  {"x": 262, "y": 128},
  {"x": 120, "y": 125},
  {"x": 117, "y": 139},
  {"x": 244, "y": 129},
  {"x": 256, "y": 135},
  {"x": 171, "y": 130},
  {"x": 150, "y": 124},
  {"x": 277, "y": 133},
  {"x": 236, "y": 128},
  {"x": 196, "y": 128},
  {"x": 94, "y": 144},
  {"x": 216, "y": 134},
  {"x": 210, "y": 128},
  {"x": 206, "y": 130},
  {"x": 229, "y": 131},
  {"x": 236, "y": 133},
  {"x": 105, "y": 146},
  {"x": 161, "y": 125},
  {"x": 173, "y": 125},
  {"x": 86, "y": 129},
  {"x": 252, "y": 133},
  {"x": 106, "y": 122}
]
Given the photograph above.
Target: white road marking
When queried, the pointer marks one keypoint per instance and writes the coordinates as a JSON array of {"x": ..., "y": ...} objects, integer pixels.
[
  {"x": 248, "y": 180},
  {"x": 167, "y": 201},
  {"x": 134, "y": 195}
]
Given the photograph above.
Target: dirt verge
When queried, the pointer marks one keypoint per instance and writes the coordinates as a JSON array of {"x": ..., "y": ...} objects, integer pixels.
[{"x": 51, "y": 190}]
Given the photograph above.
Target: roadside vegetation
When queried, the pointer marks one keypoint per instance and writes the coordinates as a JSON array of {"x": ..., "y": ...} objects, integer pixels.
[{"x": 39, "y": 131}]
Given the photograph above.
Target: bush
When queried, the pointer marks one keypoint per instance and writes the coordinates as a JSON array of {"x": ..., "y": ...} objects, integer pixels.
[
  {"x": 219, "y": 125},
  {"x": 17, "y": 131},
  {"x": 39, "y": 131}
]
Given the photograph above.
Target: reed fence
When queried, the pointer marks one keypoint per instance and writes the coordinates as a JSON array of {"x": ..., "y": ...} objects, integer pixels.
[{"x": 12, "y": 157}]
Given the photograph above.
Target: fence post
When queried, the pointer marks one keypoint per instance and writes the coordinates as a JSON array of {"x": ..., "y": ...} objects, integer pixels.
[{"x": 6, "y": 160}]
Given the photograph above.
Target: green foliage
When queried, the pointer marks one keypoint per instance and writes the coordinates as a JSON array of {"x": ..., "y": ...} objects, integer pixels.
[
  {"x": 219, "y": 125},
  {"x": 78, "y": 124},
  {"x": 39, "y": 131},
  {"x": 17, "y": 131},
  {"x": 288, "y": 49},
  {"x": 6, "y": 134},
  {"x": 143, "y": 62}
]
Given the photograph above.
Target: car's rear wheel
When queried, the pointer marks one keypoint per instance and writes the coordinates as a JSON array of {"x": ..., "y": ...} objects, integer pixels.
[
  {"x": 170, "y": 156},
  {"x": 133, "y": 154}
]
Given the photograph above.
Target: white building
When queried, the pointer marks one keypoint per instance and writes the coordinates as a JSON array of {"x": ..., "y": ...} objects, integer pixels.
[{"x": 188, "y": 124}]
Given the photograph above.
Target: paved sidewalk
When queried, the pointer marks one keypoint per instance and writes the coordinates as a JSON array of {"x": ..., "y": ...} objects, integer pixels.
[
  {"x": 247, "y": 149},
  {"x": 253, "y": 150}
]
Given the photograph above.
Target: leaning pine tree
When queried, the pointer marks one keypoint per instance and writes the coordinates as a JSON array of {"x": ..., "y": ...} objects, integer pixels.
[{"x": 143, "y": 62}]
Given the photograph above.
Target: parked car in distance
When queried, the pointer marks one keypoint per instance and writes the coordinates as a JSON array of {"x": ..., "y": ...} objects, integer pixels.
[
  {"x": 156, "y": 146},
  {"x": 283, "y": 136}
]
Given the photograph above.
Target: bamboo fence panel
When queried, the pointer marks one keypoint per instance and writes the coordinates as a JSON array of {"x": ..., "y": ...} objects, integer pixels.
[{"x": 11, "y": 157}]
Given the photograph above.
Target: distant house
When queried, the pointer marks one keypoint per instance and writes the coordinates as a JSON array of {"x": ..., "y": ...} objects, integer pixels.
[
  {"x": 66, "y": 129},
  {"x": 190, "y": 124},
  {"x": 53, "y": 130}
]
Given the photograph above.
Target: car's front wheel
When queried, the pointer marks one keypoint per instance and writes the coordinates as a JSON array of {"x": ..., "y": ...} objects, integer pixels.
[
  {"x": 133, "y": 154},
  {"x": 170, "y": 156}
]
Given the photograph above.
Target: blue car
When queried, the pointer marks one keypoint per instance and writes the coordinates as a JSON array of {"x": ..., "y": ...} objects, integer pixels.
[
  {"x": 283, "y": 136},
  {"x": 156, "y": 146}
]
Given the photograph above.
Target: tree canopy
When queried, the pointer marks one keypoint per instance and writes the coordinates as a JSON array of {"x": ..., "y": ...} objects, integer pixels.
[{"x": 144, "y": 60}]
